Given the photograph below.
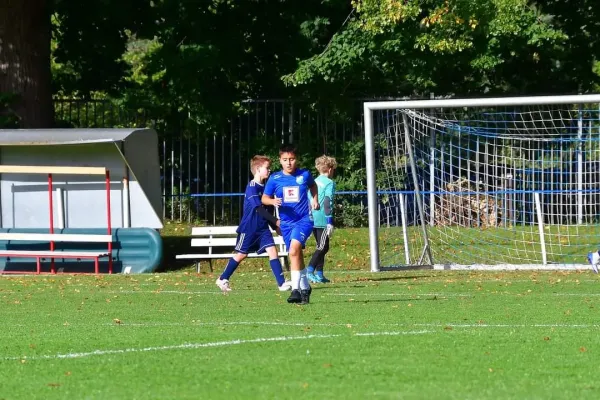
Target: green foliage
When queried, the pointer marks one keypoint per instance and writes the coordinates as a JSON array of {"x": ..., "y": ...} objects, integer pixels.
[
  {"x": 349, "y": 209},
  {"x": 201, "y": 59},
  {"x": 88, "y": 41},
  {"x": 398, "y": 47}
]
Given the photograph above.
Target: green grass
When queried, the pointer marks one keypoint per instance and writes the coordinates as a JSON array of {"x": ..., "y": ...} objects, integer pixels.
[
  {"x": 409, "y": 335},
  {"x": 349, "y": 248},
  {"x": 513, "y": 245}
]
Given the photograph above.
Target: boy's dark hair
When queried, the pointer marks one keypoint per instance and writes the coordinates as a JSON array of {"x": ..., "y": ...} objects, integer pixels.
[{"x": 287, "y": 148}]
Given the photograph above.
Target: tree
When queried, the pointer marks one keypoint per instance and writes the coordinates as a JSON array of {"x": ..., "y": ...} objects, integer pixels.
[
  {"x": 89, "y": 39},
  {"x": 460, "y": 47},
  {"x": 204, "y": 58},
  {"x": 25, "y": 61}
]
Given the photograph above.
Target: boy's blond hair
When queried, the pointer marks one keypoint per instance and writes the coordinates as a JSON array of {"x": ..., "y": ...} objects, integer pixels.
[
  {"x": 324, "y": 163},
  {"x": 257, "y": 162}
]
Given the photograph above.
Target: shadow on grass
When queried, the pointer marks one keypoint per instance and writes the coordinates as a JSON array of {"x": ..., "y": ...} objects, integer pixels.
[
  {"x": 399, "y": 278},
  {"x": 172, "y": 246}
]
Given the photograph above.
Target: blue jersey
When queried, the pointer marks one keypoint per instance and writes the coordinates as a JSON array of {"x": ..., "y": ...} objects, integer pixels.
[
  {"x": 292, "y": 190},
  {"x": 251, "y": 220}
]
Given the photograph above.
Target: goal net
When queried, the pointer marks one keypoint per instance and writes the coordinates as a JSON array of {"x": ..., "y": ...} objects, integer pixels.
[{"x": 507, "y": 182}]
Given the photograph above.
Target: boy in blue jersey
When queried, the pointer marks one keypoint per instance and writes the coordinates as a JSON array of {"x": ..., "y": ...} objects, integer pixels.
[
  {"x": 253, "y": 232},
  {"x": 288, "y": 189},
  {"x": 323, "y": 217}
]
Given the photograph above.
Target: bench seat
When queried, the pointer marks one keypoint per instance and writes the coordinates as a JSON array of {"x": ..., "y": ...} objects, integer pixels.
[
  {"x": 23, "y": 238},
  {"x": 213, "y": 237}
]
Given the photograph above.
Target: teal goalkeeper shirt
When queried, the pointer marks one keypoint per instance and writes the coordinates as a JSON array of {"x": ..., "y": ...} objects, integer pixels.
[{"x": 326, "y": 188}]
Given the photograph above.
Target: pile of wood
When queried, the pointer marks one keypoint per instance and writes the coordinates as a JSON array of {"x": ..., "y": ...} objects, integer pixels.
[{"x": 468, "y": 208}]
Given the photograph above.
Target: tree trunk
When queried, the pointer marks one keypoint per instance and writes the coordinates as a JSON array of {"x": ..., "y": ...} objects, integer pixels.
[{"x": 25, "y": 60}]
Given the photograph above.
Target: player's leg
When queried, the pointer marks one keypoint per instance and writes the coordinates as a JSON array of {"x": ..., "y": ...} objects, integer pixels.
[
  {"x": 294, "y": 249},
  {"x": 300, "y": 232},
  {"x": 243, "y": 244},
  {"x": 317, "y": 259},
  {"x": 295, "y": 255},
  {"x": 319, "y": 267},
  {"x": 268, "y": 244},
  {"x": 310, "y": 270},
  {"x": 232, "y": 264}
]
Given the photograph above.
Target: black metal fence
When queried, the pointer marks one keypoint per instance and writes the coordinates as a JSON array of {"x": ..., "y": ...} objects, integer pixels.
[{"x": 204, "y": 170}]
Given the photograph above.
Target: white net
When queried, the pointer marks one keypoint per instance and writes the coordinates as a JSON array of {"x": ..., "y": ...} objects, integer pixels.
[{"x": 501, "y": 185}]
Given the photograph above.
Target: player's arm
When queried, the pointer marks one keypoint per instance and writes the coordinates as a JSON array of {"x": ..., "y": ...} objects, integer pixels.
[
  {"x": 314, "y": 192},
  {"x": 271, "y": 219},
  {"x": 328, "y": 200},
  {"x": 268, "y": 195},
  {"x": 328, "y": 209},
  {"x": 327, "y": 206}
]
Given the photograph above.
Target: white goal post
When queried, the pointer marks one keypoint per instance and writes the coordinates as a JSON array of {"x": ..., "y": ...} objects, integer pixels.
[{"x": 510, "y": 180}]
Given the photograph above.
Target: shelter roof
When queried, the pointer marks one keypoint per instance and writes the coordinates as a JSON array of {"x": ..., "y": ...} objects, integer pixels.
[{"x": 47, "y": 137}]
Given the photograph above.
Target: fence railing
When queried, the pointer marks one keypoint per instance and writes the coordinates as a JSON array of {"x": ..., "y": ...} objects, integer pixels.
[{"x": 204, "y": 171}]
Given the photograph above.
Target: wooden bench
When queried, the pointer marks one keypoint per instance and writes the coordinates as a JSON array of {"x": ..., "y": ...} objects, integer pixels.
[
  {"x": 212, "y": 237},
  {"x": 51, "y": 254}
]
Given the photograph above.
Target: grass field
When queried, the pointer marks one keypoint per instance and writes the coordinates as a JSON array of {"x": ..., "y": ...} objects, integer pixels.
[{"x": 393, "y": 335}]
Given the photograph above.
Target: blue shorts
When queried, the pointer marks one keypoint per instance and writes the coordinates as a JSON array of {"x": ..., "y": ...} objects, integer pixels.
[
  {"x": 299, "y": 231},
  {"x": 254, "y": 242}
]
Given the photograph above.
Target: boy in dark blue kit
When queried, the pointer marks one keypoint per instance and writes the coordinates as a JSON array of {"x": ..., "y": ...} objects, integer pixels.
[
  {"x": 253, "y": 232},
  {"x": 288, "y": 189}
]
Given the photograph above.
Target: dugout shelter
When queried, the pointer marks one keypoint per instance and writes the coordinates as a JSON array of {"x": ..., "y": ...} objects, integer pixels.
[{"x": 131, "y": 156}]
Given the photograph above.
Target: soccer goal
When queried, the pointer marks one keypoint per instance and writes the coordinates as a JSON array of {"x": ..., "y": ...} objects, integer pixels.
[{"x": 502, "y": 183}]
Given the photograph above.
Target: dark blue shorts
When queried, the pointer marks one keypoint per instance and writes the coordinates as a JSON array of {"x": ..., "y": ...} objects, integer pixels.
[{"x": 254, "y": 242}]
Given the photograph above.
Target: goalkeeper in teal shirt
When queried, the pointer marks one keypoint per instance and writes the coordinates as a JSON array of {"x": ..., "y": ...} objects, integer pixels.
[{"x": 323, "y": 217}]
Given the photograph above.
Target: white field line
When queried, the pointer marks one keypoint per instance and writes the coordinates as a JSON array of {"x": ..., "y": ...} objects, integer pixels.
[
  {"x": 473, "y": 294},
  {"x": 186, "y": 346},
  {"x": 217, "y": 292}
]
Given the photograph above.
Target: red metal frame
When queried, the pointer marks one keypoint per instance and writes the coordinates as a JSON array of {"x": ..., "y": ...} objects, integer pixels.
[
  {"x": 51, "y": 204},
  {"x": 39, "y": 258},
  {"x": 108, "y": 217},
  {"x": 52, "y": 245}
]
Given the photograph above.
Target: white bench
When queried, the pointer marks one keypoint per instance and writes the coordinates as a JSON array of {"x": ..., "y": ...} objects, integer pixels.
[
  {"x": 212, "y": 237},
  {"x": 51, "y": 253}
]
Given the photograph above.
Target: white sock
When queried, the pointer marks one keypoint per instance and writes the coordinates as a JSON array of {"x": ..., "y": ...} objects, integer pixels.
[
  {"x": 304, "y": 285},
  {"x": 295, "y": 280}
]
